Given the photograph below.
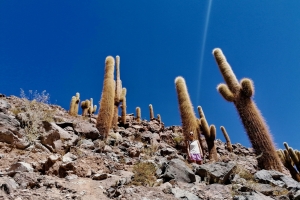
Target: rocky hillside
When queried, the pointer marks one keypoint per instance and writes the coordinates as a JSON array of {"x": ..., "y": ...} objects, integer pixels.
[{"x": 47, "y": 154}]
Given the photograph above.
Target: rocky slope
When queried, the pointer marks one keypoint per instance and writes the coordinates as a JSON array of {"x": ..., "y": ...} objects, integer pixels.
[{"x": 47, "y": 154}]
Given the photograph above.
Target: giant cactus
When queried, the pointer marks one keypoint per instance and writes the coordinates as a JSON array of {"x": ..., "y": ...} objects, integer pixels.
[
  {"x": 209, "y": 133},
  {"x": 240, "y": 94},
  {"x": 105, "y": 116},
  {"x": 118, "y": 93},
  {"x": 187, "y": 114}
]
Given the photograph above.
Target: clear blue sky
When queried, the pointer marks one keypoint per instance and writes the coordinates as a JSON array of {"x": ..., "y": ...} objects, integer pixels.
[{"x": 60, "y": 47}]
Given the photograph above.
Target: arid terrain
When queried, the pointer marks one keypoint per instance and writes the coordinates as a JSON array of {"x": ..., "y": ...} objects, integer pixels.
[{"x": 47, "y": 154}]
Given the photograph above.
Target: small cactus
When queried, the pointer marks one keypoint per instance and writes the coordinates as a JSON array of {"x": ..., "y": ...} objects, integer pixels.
[
  {"x": 123, "y": 111},
  {"x": 92, "y": 108},
  {"x": 158, "y": 118},
  {"x": 209, "y": 133},
  {"x": 74, "y": 105},
  {"x": 105, "y": 116},
  {"x": 240, "y": 94},
  {"x": 151, "y": 111},
  {"x": 138, "y": 114},
  {"x": 228, "y": 143},
  {"x": 187, "y": 114}
]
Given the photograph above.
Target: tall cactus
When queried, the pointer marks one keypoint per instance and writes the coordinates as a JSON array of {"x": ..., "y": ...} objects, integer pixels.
[
  {"x": 187, "y": 114},
  {"x": 240, "y": 94},
  {"x": 209, "y": 133},
  {"x": 118, "y": 92},
  {"x": 138, "y": 114},
  {"x": 151, "y": 111},
  {"x": 105, "y": 116},
  {"x": 123, "y": 111},
  {"x": 228, "y": 142}
]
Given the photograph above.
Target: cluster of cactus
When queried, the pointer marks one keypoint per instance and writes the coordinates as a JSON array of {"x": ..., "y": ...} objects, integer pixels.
[
  {"x": 240, "y": 94},
  {"x": 209, "y": 133},
  {"x": 87, "y": 107},
  {"x": 290, "y": 158},
  {"x": 74, "y": 105}
]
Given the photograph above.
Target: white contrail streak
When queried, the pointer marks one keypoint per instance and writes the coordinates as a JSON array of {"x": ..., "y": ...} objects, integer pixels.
[{"x": 203, "y": 47}]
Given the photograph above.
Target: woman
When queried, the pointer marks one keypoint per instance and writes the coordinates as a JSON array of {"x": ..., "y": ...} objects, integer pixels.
[{"x": 194, "y": 150}]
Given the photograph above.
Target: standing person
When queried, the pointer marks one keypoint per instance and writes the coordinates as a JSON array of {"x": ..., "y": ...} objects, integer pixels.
[{"x": 194, "y": 150}]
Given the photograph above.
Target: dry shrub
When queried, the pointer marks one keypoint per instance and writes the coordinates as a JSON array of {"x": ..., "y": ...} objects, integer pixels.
[
  {"x": 144, "y": 174},
  {"x": 35, "y": 112}
]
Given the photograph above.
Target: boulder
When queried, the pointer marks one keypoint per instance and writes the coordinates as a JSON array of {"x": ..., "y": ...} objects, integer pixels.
[
  {"x": 276, "y": 178},
  {"x": 87, "y": 130},
  {"x": 57, "y": 139},
  {"x": 217, "y": 172},
  {"x": 178, "y": 170}
]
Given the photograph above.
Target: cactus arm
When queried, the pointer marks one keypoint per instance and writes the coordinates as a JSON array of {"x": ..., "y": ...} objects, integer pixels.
[
  {"x": 225, "y": 92},
  {"x": 226, "y": 71},
  {"x": 247, "y": 87}
]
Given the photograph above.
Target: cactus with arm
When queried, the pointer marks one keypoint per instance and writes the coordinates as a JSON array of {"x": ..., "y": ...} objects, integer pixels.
[{"x": 240, "y": 94}]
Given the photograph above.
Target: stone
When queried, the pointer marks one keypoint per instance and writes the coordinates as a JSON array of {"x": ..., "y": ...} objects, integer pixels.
[
  {"x": 57, "y": 139},
  {"x": 87, "y": 130},
  {"x": 20, "y": 167},
  {"x": 4, "y": 106},
  {"x": 183, "y": 194},
  {"x": 100, "y": 177},
  {"x": 178, "y": 170},
  {"x": 218, "y": 172}
]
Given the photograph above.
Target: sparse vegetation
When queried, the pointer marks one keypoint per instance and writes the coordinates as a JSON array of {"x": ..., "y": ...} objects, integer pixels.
[
  {"x": 33, "y": 112},
  {"x": 144, "y": 174}
]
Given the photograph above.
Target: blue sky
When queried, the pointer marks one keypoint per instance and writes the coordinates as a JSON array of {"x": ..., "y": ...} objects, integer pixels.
[{"x": 60, "y": 47}]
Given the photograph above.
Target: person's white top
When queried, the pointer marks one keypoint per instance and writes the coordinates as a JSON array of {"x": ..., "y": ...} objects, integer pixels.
[{"x": 194, "y": 148}]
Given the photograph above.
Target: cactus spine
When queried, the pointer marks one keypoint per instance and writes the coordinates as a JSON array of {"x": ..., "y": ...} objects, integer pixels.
[
  {"x": 151, "y": 111},
  {"x": 228, "y": 143},
  {"x": 138, "y": 114},
  {"x": 209, "y": 133},
  {"x": 240, "y": 94},
  {"x": 105, "y": 116},
  {"x": 187, "y": 114},
  {"x": 118, "y": 92},
  {"x": 123, "y": 111},
  {"x": 74, "y": 105}
]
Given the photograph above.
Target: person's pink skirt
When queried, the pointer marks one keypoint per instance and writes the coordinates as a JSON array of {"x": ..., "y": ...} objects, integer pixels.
[{"x": 195, "y": 157}]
